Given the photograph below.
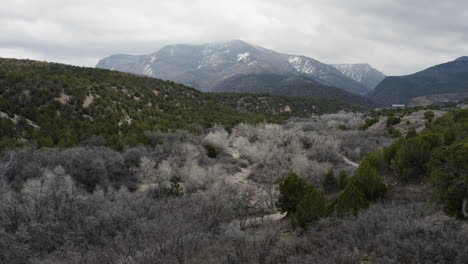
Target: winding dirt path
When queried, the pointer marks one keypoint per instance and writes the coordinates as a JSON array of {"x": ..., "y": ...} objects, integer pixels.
[
  {"x": 242, "y": 178},
  {"x": 350, "y": 162}
]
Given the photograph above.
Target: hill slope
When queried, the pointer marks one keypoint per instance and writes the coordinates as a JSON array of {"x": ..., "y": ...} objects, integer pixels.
[
  {"x": 205, "y": 66},
  {"x": 362, "y": 72},
  {"x": 50, "y": 104},
  {"x": 290, "y": 85},
  {"x": 446, "y": 79}
]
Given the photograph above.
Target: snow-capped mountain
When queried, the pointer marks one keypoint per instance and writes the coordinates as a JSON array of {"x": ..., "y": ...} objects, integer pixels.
[
  {"x": 205, "y": 66},
  {"x": 361, "y": 72}
]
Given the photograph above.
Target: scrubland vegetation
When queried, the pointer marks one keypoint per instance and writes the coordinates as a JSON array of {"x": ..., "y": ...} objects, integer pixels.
[
  {"x": 55, "y": 105},
  {"x": 348, "y": 195},
  {"x": 104, "y": 167}
]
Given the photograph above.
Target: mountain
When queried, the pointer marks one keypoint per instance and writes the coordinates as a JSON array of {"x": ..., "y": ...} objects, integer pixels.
[
  {"x": 361, "y": 72},
  {"x": 436, "y": 84},
  {"x": 205, "y": 66},
  {"x": 50, "y": 104},
  {"x": 290, "y": 85}
]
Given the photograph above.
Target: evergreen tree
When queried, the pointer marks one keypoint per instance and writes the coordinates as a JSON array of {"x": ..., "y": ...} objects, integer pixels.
[
  {"x": 329, "y": 181},
  {"x": 311, "y": 207},
  {"x": 349, "y": 201},
  {"x": 367, "y": 180},
  {"x": 411, "y": 133},
  {"x": 292, "y": 190},
  {"x": 342, "y": 179},
  {"x": 429, "y": 115},
  {"x": 211, "y": 151},
  {"x": 411, "y": 158},
  {"x": 449, "y": 174}
]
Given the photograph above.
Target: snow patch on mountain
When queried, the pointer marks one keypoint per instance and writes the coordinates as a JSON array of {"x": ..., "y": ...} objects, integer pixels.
[
  {"x": 302, "y": 65},
  {"x": 361, "y": 72},
  {"x": 207, "y": 51},
  {"x": 242, "y": 56},
  {"x": 147, "y": 70},
  {"x": 216, "y": 61},
  {"x": 351, "y": 71}
]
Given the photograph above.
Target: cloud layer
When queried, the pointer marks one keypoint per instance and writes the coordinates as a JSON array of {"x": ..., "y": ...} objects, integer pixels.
[{"x": 395, "y": 36}]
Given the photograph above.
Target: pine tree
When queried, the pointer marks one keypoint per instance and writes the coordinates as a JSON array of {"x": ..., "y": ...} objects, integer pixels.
[
  {"x": 449, "y": 174},
  {"x": 349, "y": 201},
  {"x": 329, "y": 181},
  {"x": 311, "y": 208},
  {"x": 342, "y": 179},
  {"x": 368, "y": 181},
  {"x": 292, "y": 190}
]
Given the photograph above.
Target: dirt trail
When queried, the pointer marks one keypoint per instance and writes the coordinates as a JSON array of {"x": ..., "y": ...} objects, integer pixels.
[
  {"x": 242, "y": 178},
  {"x": 350, "y": 162}
]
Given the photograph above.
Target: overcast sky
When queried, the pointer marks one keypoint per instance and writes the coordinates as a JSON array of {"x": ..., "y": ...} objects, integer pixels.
[{"x": 395, "y": 36}]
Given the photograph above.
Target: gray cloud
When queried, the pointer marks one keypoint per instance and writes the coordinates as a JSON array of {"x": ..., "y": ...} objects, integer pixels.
[{"x": 395, "y": 36}]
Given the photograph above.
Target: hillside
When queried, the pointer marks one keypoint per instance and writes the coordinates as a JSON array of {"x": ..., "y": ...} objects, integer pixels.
[
  {"x": 290, "y": 85},
  {"x": 447, "y": 80},
  {"x": 205, "y": 66},
  {"x": 361, "y": 72},
  {"x": 49, "y": 104},
  {"x": 220, "y": 197}
]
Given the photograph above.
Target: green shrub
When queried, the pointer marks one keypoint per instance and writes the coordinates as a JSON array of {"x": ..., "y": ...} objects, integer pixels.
[
  {"x": 375, "y": 159},
  {"x": 175, "y": 189},
  {"x": 449, "y": 175},
  {"x": 367, "y": 180},
  {"x": 342, "y": 179},
  {"x": 429, "y": 115},
  {"x": 450, "y": 136},
  {"x": 292, "y": 189},
  {"x": 369, "y": 122},
  {"x": 328, "y": 181},
  {"x": 435, "y": 140},
  {"x": 350, "y": 201},
  {"x": 393, "y": 132},
  {"x": 411, "y": 133},
  {"x": 311, "y": 208},
  {"x": 411, "y": 158},
  {"x": 390, "y": 152},
  {"x": 393, "y": 120},
  {"x": 211, "y": 151}
]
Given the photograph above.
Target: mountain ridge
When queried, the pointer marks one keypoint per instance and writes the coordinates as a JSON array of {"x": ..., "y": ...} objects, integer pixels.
[
  {"x": 203, "y": 66},
  {"x": 287, "y": 85},
  {"x": 361, "y": 72},
  {"x": 446, "y": 78}
]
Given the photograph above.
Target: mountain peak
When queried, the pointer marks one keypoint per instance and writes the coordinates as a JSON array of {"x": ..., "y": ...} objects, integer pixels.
[
  {"x": 203, "y": 66},
  {"x": 462, "y": 58},
  {"x": 238, "y": 41},
  {"x": 361, "y": 72}
]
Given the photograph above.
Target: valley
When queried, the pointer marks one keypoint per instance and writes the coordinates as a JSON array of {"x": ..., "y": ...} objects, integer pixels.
[
  {"x": 233, "y": 132},
  {"x": 99, "y": 166}
]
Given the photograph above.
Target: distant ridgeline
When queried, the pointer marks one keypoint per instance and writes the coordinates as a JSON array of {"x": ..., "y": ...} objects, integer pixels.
[
  {"x": 49, "y": 104},
  {"x": 447, "y": 82}
]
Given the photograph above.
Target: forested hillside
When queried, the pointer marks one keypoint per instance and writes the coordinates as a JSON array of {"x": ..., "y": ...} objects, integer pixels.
[
  {"x": 49, "y": 104},
  {"x": 447, "y": 79},
  {"x": 290, "y": 85}
]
